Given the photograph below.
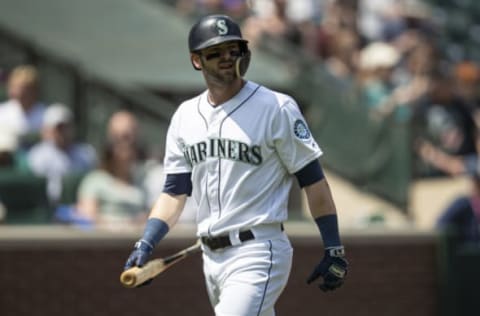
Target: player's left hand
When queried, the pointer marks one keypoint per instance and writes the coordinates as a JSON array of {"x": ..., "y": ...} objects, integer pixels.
[{"x": 332, "y": 268}]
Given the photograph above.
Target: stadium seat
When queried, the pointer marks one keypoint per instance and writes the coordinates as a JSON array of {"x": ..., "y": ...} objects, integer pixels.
[
  {"x": 70, "y": 184},
  {"x": 25, "y": 198}
]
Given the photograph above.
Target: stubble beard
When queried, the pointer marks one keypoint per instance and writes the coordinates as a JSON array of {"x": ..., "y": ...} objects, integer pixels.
[{"x": 222, "y": 77}]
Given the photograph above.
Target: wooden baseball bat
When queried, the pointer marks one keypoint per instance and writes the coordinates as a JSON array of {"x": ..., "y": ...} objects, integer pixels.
[{"x": 135, "y": 276}]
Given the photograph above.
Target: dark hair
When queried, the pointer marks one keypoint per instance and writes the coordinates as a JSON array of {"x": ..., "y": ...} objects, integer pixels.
[{"x": 108, "y": 154}]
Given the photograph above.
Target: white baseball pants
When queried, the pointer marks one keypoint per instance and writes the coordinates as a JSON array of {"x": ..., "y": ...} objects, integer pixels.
[{"x": 247, "y": 279}]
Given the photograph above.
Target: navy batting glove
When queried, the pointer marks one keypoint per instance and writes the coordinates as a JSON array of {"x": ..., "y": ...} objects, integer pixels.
[
  {"x": 140, "y": 254},
  {"x": 332, "y": 268}
]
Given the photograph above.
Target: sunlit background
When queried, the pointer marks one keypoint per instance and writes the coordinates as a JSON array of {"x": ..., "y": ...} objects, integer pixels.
[{"x": 390, "y": 90}]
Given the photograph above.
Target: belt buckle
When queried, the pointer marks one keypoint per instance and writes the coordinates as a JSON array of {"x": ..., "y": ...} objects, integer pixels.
[
  {"x": 214, "y": 243},
  {"x": 225, "y": 241}
]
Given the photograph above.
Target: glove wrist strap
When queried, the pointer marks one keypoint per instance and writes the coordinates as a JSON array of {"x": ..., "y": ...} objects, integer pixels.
[{"x": 336, "y": 251}]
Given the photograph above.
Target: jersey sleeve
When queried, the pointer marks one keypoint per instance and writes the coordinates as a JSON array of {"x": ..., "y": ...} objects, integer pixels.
[
  {"x": 174, "y": 161},
  {"x": 292, "y": 138}
]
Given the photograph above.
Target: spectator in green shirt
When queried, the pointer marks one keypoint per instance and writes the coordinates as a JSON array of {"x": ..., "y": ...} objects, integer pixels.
[{"x": 112, "y": 195}]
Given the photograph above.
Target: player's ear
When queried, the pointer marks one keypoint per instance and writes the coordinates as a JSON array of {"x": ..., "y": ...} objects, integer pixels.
[{"x": 196, "y": 61}]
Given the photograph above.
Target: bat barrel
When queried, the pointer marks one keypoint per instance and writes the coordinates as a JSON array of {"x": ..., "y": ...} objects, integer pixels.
[{"x": 135, "y": 276}]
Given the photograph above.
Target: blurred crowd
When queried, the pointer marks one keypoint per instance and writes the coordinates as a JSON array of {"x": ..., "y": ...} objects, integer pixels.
[
  {"x": 388, "y": 50},
  {"x": 114, "y": 185}
]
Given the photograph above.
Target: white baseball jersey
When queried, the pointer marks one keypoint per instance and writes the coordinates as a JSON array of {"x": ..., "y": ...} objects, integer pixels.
[{"x": 241, "y": 154}]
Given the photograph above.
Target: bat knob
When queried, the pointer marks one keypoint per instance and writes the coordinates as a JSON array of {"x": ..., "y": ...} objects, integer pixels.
[{"x": 128, "y": 279}]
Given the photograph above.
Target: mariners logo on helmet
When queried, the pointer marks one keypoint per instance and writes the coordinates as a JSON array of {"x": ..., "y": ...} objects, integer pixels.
[
  {"x": 215, "y": 29},
  {"x": 222, "y": 27}
]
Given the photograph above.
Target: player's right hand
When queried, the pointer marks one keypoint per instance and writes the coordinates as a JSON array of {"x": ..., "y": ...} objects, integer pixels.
[
  {"x": 332, "y": 268},
  {"x": 140, "y": 254}
]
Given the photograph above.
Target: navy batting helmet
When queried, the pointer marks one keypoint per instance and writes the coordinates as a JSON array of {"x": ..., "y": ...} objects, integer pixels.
[
  {"x": 216, "y": 29},
  {"x": 212, "y": 30}
]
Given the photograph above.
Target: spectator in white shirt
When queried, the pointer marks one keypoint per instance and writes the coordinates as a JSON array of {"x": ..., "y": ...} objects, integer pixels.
[
  {"x": 58, "y": 154},
  {"x": 22, "y": 113}
]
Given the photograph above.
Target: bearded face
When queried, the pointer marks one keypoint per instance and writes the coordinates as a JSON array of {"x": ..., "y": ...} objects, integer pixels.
[{"x": 218, "y": 62}]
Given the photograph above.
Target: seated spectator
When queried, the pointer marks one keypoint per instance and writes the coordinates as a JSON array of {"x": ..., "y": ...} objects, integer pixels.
[
  {"x": 339, "y": 18},
  {"x": 23, "y": 113},
  {"x": 342, "y": 51},
  {"x": 374, "y": 17},
  {"x": 451, "y": 165},
  {"x": 446, "y": 122},
  {"x": 272, "y": 22},
  {"x": 462, "y": 216},
  {"x": 237, "y": 9},
  {"x": 112, "y": 196},
  {"x": 376, "y": 63},
  {"x": 421, "y": 57},
  {"x": 123, "y": 126},
  {"x": 58, "y": 155},
  {"x": 467, "y": 79}
]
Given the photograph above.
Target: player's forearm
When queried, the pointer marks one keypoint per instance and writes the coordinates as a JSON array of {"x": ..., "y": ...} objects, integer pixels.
[
  {"x": 163, "y": 216},
  {"x": 320, "y": 199},
  {"x": 322, "y": 208},
  {"x": 168, "y": 208}
]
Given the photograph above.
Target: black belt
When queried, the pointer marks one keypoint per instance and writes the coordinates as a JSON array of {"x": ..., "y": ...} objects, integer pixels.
[{"x": 219, "y": 242}]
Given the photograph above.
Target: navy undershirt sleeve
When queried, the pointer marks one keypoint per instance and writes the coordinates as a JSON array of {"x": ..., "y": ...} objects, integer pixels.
[
  {"x": 310, "y": 174},
  {"x": 178, "y": 183}
]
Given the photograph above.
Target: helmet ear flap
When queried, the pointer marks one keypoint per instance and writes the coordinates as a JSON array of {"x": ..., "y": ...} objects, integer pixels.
[{"x": 241, "y": 64}]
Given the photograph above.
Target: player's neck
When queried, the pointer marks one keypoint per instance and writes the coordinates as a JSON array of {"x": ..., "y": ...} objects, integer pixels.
[{"x": 220, "y": 94}]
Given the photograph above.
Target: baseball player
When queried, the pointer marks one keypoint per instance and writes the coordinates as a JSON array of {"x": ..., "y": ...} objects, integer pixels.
[{"x": 236, "y": 148}]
